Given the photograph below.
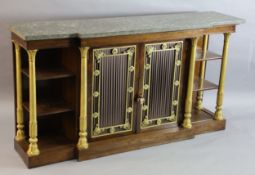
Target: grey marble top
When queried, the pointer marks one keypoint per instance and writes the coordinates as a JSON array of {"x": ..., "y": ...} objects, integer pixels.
[{"x": 101, "y": 27}]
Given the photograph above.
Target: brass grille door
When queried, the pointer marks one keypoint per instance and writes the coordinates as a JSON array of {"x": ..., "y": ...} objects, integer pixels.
[
  {"x": 113, "y": 90},
  {"x": 161, "y": 83}
]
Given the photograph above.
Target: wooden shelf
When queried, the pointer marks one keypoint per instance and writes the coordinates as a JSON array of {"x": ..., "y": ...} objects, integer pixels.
[
  {"x": 54, "y": 141},
  {"x": 48, "y": 74},
  {"x": 49, "y": 107},
  {"x": 201, "y": 115},
  {"x": 209, "y": 56},
  {"x": 207, "y": 85}
]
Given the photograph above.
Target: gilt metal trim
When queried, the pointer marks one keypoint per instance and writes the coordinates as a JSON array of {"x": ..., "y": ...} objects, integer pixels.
[
  {"x": 218, "y": 113},
  {"x": 83, "y": 141},
  {"x": 199, "y": 103},
  {"x": 33, "y": 149},
  {"x": 20, "y": 135},
  {"x": 188, "y": 101}
]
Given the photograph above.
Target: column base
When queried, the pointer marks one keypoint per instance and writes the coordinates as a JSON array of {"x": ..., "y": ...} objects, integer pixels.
[
  {"x": 33, "y": 150},
  {"x": 82, "y": 143},
  {"x": 199, "y": 105},
  {"x": 218, "y": 115},
  {"x": 187, "y": 123},
  {"x": 20, "y": 135}
]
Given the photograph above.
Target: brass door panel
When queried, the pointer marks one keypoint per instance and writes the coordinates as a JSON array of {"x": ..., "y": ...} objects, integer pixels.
[
  {"x": 161, "y": 84},
  {"x": 113, "y": 90}
]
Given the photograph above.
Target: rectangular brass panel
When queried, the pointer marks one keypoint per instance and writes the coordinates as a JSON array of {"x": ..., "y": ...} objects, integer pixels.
[
  {"x": 162, "y": 67},
  {"x": 113, "y": 90}
]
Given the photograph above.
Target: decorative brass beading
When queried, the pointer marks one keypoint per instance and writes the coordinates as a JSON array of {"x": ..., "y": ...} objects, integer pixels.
[
  {"x": 97, "y": 72},
  {"x": 199, "y": 103},
  {"x": 164, "y": 46},
  {"x": 33, "y": 147},
  {"x": 218, "y": 114},
  {"x": 83, "y": 142},
  {"x": 146, "y": 122},
  {"x": 114, "y": 51},
  {"x": 20, "y": 135},
  {"x": 98, "y": 54},
  {"x": 188, "y": 102}
]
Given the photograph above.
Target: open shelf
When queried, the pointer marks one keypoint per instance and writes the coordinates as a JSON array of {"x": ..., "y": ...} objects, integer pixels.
[
  {"x": 201, "y": 115},
  {"x": 207, "y": 85},
  {"x": 54, "y": 141},
  {"x": 49, "y": 107},
  {"x": 49, "y": 74},
  {"x": 209, "y": 56}
]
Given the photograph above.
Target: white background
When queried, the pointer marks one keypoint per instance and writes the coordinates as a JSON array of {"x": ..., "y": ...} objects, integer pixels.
[{"x": 226, "y": 152}]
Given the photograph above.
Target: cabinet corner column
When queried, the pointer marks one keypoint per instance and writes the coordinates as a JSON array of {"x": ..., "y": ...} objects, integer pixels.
[
  {"x": 188, "y": 102},
  {"x": 33, "y": 147},
  {"x": 83, "y": 142},
  {"x": 218, "y": 113},
  {"x": 20, "y": 135},
  {"x": 199, "y": 103}
]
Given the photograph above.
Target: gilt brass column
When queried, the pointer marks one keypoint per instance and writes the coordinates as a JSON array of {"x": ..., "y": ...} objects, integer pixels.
[
  {"x": 220, "y": 94},
  {"x": 83, "y": 143},
  {"x": 199, "y": 103},
  {"x": 19, "y": 110},
  {"x": 188, "y": 102},
  {"x": 33, "y": 147}
]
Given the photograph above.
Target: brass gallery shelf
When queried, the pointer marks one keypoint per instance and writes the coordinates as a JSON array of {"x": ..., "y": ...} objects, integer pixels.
[
  {"x": 47, "y": 107},
  {"x": 49, "y": 74},
  {"x": 209, "y": 56},
  {"x": 207, "y": 85}
]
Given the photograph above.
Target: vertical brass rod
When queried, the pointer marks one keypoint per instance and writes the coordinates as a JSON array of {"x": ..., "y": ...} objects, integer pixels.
[
  {"x": 188, "y": 102},
  {"x": 220, "y": 94},
  {"x": 82, "y": 142},
  {"x": 20, "y": 135},
  {"x": 199, "y": 104},
  {"x": 33, "y": 147}
]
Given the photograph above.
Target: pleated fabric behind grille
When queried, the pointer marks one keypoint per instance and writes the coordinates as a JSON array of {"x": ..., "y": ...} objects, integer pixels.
[
  {"x": 161, "y": 83},
  {"x": 113, "y": 90},
  {"x": 113, "y": 84},
  {"x": 162, "y": 67}
]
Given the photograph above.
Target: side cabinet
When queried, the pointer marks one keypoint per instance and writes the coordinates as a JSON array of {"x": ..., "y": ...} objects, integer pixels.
[{"x": 106, "y": 86}]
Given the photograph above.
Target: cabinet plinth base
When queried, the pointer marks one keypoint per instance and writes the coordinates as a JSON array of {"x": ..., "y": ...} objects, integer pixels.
[
  {"x": 51, "y": 151},
  {"x": 106, "y": 147},
  {"x": 202, "y": 122}
]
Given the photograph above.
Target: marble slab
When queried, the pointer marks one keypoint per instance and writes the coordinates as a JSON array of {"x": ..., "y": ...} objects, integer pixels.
[{"x": 102, "y": 27}]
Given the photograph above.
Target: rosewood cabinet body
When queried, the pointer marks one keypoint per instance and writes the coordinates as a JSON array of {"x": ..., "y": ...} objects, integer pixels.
[{"x": 94, "y": 94}]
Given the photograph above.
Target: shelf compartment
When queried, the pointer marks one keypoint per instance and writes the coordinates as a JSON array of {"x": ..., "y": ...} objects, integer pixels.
[
  {"x": 201, "y": 115},
  {"x": 48, "y": 107},
  {"x": 49, "y": 74},
  {"x": 207, "y": 85},
  {"x": 203, "y": 121},
  {"x": 209, "y": 56}
]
